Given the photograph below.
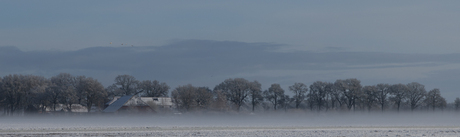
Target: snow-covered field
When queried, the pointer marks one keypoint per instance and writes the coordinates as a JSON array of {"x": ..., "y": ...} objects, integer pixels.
[
  {"x": 240, "y": 131},
  {"x": 346, "y": 124}
]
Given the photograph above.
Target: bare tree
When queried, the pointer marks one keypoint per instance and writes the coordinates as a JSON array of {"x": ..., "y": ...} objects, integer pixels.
[
  {"x": 382, "y": 94},
  {"x": 398, "y": 92},
  {"x": 40, "y": 99},
  {"x": 351, "y": 90},
  {"x": 299, "y": 90},
  {"x": 18, "y": 91},
  {"x": 442, "y": 103},
  {"x": 457, "y": 103},
  {"x": 370, "y": 96},
  {"x": 184, "y": 97},
  {"x": 237, "y": 91},
  {"x": 62, "y": 90},
  {"x": 311, "y": 101},
  {"x": 53, "y": 93},
  {"x": 154, "y": 88},
  {"x": 220, "y": 101},
  {"x": 336, "y": 96},
  {"x": 91, "y": 92},
  {"x": 274, "y": 94},
  {"x": 434, "y": 99},
  {"x": 31, "y": 83},
  {"x": 11, "y": 91},
  {"x": 255, "y": 93},
  {"x": 2, "y": 97},
  {"x": 329, "y": 97},
  {"x": 128, "y": 84},
  {"x": 318, "y": 93},
  {"x": 285, "y": 101},
  {"x": 203, "y": 97},
  {"x": 415, "y": 94},
  {"x": 79, "y": 80},
  {"x": 113, "y": 91}
]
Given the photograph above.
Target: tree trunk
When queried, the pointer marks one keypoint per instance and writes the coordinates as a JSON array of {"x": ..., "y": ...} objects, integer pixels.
[
  {"x": 332, "y": 103},
  {"x": 253, "y": 104},
  {"x": 70, "y": 108},
  {"x": 89, "y": 106},
  {"x": 382, "y": 104}
]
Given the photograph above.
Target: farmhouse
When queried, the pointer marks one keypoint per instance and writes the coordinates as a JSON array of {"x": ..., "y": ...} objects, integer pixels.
[{"x": 135, "y": 104}]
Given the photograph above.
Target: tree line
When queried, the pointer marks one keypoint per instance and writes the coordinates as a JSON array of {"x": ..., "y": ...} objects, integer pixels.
[
  {"x": 341, "y": 95},
  {"x": 31, "y": 93}
]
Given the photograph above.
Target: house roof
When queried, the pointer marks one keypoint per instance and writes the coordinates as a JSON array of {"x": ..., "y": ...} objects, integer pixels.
[
  {"x": 135, "y": 101},
  {"x": 117, "y": 104},
  {"x": 113, "y": 100}
]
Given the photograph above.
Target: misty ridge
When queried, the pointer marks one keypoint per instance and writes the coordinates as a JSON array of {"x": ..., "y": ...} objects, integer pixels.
[{"x": 63, "y": 93}]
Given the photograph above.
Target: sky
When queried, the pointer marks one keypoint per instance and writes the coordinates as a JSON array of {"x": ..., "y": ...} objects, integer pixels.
[{"x": 205, "y": 42}]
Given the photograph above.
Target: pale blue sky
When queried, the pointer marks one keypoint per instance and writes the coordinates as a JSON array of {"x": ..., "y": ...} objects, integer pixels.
[{"x": 390, "y": 26}]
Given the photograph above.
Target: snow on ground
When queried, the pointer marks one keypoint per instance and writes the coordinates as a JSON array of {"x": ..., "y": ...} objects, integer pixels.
[
  {"x": 242, "y": 131},
  {"x": 344, "y": 124}
]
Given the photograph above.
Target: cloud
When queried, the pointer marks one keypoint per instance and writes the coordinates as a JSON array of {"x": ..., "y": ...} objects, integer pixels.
[{"x": 207, "y": 63}]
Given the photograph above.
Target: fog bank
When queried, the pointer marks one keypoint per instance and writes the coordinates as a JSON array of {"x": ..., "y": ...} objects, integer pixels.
[{"x": 352, "y": 119}]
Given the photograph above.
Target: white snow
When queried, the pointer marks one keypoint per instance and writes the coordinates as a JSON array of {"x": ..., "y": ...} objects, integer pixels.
[{"x": 347, "y": 124}]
